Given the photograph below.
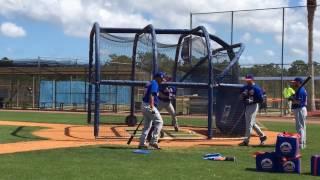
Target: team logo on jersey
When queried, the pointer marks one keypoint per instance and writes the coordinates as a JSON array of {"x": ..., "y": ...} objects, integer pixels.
[
  {"x": 251, "y": 92},
  {"x": 266, "y": 163},
  {"x": 245, "y": 92},
  {"x": 285, "y": 147},
  {"x": 289, "y": 166}
]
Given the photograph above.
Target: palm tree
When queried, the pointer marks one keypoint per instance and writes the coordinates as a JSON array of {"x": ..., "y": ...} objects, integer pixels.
[{"x": 311, "y": 7}]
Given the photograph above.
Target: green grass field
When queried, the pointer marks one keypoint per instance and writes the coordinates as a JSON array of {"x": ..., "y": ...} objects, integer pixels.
[
  {"x": 81, "y": 119},
  {"x": 118, "y": 162}
]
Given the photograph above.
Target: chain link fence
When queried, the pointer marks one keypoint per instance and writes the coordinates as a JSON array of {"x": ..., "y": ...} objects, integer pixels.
[
  {"x": 276, "y": 42},
  {"x": 66, "y": 88}
]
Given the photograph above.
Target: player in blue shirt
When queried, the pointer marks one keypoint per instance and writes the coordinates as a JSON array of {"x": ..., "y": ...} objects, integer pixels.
[
  {"x": 150, "y": 112},
  {"x": 166, "y": 95},
  {"x": 299, "y": 103},
  {"x": 251, "y": 95}
]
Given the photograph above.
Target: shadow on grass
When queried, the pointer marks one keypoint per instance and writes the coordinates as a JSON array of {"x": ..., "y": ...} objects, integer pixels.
[
  {"x": 262, "y": 146},
  {"x": 24, "y": 133},
  {"x": 306, "y": 174},
  {"x": 251, "y": 169},
  {"x": 17, "y": 132},
  {"x": 255, "y": 170}
]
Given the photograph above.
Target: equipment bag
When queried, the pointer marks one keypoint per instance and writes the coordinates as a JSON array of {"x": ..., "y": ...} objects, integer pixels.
[{"x": 287, "y": 145}]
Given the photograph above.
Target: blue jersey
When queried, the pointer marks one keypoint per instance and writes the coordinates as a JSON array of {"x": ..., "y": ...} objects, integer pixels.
[
  {"x": 167, "y": 93},
  {"x": 301, "y": 96},
  {"x": 151, "y": 88},
  {"x": 251, "y": 94}
]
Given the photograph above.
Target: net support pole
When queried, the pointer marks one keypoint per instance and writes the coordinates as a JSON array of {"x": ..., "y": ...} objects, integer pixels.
[
  {"x": 282, "y": 59},
  {"x": 71, "y": 99},
  {"x": 210, "y": 85},
  {"x": 231, "y": 32},
  {"x": 90, "y": 76},
  {"x": 33, "y": 91},
  {"x": 85, "y": 93},
  {"x": 133, "y": 73},
  {"x": 210, "y": 81},
  {"x": 190, "y": 41},
  {"x": 55, "y": 94},
  {"x": 97, "y": 81}
]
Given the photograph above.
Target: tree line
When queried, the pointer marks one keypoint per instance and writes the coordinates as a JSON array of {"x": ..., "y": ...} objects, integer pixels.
[{"x": 296, "y": 68}]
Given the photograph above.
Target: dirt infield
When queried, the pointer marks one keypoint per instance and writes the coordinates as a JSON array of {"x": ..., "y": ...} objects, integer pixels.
[{"x": 64, "y": 136}]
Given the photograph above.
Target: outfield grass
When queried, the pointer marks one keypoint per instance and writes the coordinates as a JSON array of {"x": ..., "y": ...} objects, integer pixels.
[
  {"x": 9, "y": 134},
  {"x": 107, "y": 162},
  {"x": 118, "y": 162},
  {"x": 44, "y": 117},
  {"x": 81, "y": 119}
]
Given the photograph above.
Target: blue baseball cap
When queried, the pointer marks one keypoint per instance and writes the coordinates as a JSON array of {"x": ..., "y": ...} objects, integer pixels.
[
  {"x": 298, "y": 79},
  {"x": 161, "y": 75},
  {"x": 249, "y": 77}
]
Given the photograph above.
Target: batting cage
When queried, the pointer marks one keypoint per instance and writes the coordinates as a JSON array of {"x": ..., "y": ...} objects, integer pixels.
[{"x": 202, "y": 67}]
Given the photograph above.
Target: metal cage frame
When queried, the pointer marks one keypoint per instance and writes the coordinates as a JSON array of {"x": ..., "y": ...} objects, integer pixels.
[{"x": 94, "y": 72}]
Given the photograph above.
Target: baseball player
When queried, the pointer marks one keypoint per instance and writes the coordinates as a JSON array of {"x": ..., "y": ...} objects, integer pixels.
[
  {"x": 299, "y": 103},
  {"x": 165, "y": 96},
  {"x": 287, "y": 93},
  {"x": 150, "y": 112},
  {"x": 251, "y": 95}
]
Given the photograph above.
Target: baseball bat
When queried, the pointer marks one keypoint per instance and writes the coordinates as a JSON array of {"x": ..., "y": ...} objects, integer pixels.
[
  {"x": 303, "y": 83},
  {"x": 222, "y": 158},
  {"x": 134, "y": 132}
]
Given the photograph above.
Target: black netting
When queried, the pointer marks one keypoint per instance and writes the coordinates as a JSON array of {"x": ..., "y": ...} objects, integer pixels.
[{"x": 116, "y": 53}]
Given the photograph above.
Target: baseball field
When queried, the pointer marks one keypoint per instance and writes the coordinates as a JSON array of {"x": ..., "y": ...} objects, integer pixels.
[
  {"x": 105, "y": 160},
  {"x": 80, "y": 156}
]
